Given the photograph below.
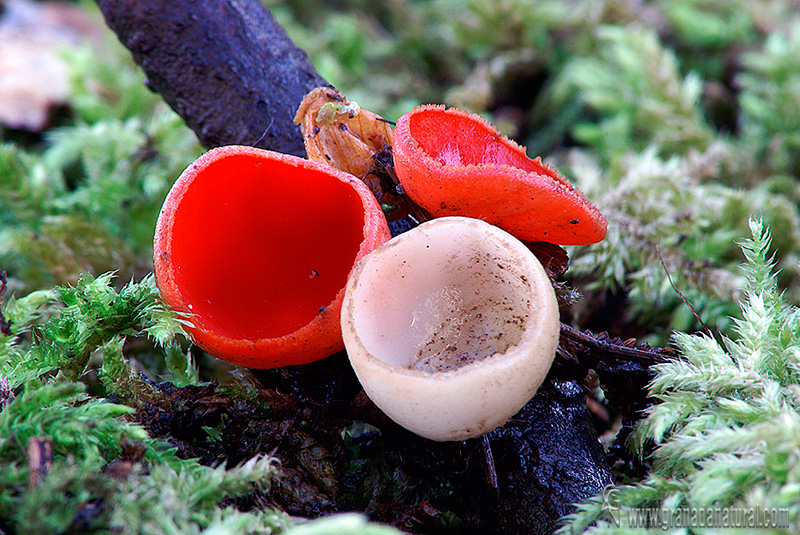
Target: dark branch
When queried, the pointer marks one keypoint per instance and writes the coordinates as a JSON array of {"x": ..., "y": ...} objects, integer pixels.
[
  {"x": 225, "y": 66},
  {"x": 601, "y": 346}
]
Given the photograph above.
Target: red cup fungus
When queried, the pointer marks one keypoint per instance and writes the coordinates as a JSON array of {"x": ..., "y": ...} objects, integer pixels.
[
  {"x": 455, "y": 163},
  {"x": 256, "y": 247}
]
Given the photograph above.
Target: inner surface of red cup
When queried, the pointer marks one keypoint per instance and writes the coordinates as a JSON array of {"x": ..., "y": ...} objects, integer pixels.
[
  {"x": 458, "y": 139},
  {"x": 260, "y": 246}
]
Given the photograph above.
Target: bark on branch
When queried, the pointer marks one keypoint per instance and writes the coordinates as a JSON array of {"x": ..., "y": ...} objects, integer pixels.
[{"x": 225, "y": 66}]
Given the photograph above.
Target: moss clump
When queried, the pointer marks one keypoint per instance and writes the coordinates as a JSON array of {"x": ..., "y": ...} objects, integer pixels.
[{"x": 725, "y": 431}]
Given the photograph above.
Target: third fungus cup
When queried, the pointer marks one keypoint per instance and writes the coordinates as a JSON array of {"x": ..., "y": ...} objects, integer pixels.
[
  {"x": 450, "y": 327},
  {"x": 454, "y": 163}
]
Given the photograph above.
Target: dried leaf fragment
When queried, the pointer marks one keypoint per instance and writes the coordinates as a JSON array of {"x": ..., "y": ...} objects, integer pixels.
[
  {"x": 339, "y": 133},
  {"x": 553, "y": 258}
]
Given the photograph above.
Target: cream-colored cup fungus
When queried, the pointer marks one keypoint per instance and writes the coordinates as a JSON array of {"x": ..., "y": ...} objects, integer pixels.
[{"x": 450, "y": 327}]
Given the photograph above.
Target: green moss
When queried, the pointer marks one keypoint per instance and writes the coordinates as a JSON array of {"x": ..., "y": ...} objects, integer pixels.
[
  {"x": 725, "y": 433},
  {"x": 671, "y": 228},
  {"x": 770, "y": 108}
]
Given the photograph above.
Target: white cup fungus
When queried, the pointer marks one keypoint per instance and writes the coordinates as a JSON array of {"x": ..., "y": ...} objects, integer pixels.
[{"x": 450, "y": 327}]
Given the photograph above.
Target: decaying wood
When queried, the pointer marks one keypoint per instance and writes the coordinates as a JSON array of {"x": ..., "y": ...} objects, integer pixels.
[
  {"x": 599, "y": 346},
  {"x": 225, "y": 66}
]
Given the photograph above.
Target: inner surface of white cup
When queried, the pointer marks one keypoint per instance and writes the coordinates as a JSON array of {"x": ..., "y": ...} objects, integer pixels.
[{"x": 450, "y": 297}]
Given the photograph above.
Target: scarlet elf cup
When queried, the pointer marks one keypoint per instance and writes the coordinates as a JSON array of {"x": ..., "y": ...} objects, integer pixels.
[{"x": 256, "y": 246}]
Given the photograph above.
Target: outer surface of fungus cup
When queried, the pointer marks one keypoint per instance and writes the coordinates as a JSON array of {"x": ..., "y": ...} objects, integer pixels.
[
  {"x": 256, "y": 246},
  {"x": 450, "y": 327},
  {"x": 455, "y": 163}
]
